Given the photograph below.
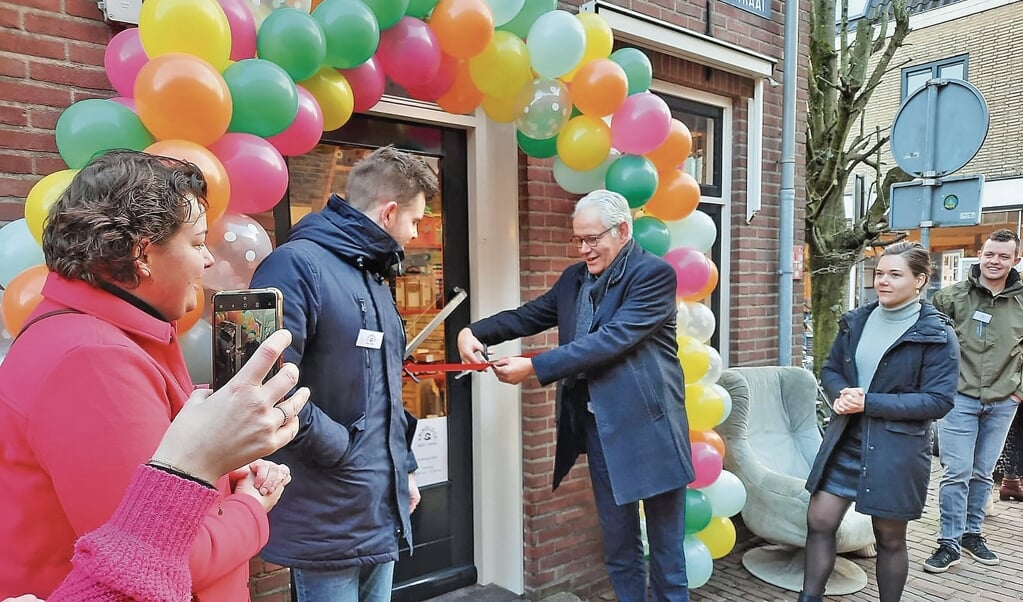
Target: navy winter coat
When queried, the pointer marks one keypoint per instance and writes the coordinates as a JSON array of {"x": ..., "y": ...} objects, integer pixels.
[
  {"x": 347, "y": 504},
  {"x": 631, "y": 367},
  {"x": 914, "y": 383}
]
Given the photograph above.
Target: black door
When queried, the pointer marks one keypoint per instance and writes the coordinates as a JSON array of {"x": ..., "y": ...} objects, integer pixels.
[{"x": 435, "y": 264}]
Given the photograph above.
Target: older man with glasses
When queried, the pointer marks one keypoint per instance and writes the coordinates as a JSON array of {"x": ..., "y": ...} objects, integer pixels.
[{"x": 621, "y": 394}]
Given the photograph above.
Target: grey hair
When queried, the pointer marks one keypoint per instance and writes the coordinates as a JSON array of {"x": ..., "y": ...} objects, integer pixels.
[{"x": 613, "y": 208}]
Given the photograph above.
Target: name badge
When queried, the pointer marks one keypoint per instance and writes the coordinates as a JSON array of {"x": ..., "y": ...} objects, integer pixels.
[
  {"x": 981, "y": 317},
  {"x": 369, "y": 339}
]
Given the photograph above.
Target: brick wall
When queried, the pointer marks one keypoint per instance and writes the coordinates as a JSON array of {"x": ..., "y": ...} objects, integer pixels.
[
  {"x": 990, "y": 40},
  {"x": 51, "y": 54}
]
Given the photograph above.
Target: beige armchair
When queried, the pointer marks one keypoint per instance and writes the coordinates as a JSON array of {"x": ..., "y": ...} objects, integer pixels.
[{"x": 772, "y": 439}]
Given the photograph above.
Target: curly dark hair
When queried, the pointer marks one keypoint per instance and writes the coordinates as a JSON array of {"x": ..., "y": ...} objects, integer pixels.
[{"x": 94, "y": 229}]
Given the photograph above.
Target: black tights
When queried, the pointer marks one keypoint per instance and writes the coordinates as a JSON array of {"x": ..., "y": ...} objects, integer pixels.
[{"x": 822, "y": 521}]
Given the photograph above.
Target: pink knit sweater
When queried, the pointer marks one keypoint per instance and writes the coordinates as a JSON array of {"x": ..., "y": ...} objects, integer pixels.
[{"x": 141, "y": 553}]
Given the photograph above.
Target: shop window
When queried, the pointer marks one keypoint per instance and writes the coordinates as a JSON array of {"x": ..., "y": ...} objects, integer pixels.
[
  {"x": 915, "y": 77},
  {"x": 705, "y": 123}
]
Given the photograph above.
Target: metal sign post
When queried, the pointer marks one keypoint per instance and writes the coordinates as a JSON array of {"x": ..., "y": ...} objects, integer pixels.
[{"x": 937, "y": 130}]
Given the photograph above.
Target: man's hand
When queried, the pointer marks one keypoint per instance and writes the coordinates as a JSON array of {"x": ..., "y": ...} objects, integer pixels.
[
  {"x": 414, "y": 496},
  {"x": 513, "y": 370},
  {"x": 469, "y": 346}
]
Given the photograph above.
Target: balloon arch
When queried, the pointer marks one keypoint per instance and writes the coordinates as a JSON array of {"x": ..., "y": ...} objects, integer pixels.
[{"x": 234, "y": 86}]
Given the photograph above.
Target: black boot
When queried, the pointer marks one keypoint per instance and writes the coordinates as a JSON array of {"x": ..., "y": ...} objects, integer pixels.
[{"x": 804, "y": 597}]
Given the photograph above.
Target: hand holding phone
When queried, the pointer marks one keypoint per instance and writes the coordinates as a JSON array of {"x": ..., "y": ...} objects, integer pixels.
[{"x": 241, "y": 321}]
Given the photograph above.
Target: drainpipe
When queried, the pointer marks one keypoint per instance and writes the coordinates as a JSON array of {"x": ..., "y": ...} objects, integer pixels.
[{"x": 787, "y": 194}]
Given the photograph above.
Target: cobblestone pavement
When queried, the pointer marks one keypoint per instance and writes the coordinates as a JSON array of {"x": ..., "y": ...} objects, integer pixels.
[{"x": 968, "y": 582}]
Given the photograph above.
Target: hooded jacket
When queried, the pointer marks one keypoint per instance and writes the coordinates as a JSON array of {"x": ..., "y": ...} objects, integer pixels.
[
  {"x": 914, "y": 384},
  {"x": 992, "y": 353},
  {"x": 347, "y": 504}
]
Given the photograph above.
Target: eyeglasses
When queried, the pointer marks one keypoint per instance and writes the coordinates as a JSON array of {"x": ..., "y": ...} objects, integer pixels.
[{"x": 591, "y": 240}]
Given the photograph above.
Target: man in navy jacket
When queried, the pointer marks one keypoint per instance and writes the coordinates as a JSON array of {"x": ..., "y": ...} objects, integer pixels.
[
  {"x": 352, "y": 491},
  {"x": 621, "y": 394}
]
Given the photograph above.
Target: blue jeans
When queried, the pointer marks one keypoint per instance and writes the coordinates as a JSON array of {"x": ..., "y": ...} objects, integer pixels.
[
  {"x": 970, "y": 439},
  {"x": 623, "y": 545},
  {"x": 365, "y": 584}
]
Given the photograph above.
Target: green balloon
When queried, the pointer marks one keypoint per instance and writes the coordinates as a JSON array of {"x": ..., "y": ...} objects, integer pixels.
[
  {"x": 653, "y": 235},
  {"x": 634, "y": 177},
  {"x": 351, "y": 31},
  {"x": 638, "y": 69},
  {"x": 94, "y": 126},
  {"x": 293, "y": 40},
  {"x": 698, "y": 511},
  {"x": 540, "y": 149},
  {"x": 264, "y": 99},
  {"x": 388, "y": 12},
  {"x": 420, "y": 9},
  {"x": 530, "y": 12}
]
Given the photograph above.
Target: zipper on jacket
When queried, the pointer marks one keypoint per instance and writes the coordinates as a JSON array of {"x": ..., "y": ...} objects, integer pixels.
[{"x": 362, "y": 306}]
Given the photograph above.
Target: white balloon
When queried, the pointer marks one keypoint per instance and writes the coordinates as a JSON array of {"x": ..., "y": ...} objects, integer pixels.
[
  {"x": 726, "y": 494},
  {"x": 714, "y": 371},
  {"x": 504, "y": 11},
  {"x": 19, "y": 251},
  {"x": 197, "y": 347},
  {"x": 726, "y": 400},
  {"x": 682, "y": 318},
  {"x": 696, "y": 231},
  {"x": 581, "y": 182},
  {"x": 701, "y": 322}
]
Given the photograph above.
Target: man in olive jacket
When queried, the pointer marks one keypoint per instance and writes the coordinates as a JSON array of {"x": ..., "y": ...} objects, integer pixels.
[
  {"x": 987, "y": 310},
  {"x": 621, "y": 395}
]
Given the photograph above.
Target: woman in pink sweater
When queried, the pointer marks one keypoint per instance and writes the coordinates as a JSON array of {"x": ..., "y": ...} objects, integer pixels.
[
  {"x": 141, "y": 553},
  {"x": 96, "y": 376}
]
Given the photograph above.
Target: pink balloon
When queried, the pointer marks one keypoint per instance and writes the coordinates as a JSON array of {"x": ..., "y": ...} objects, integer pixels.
[
  {"x": 409, "y": 52},
  {"x": 258, "y": 174},
  {"x": 441, "y": 82},
  {"x": 243, "y": 29},
  {"x": 367, "y": 82},
  {"x": 304, "y": 132},
  {"x": 692, "y": 269},
  {"x": 123, "y": 59},
  {"x": 128, "y": 102},
  {"x": 641, "y": 124},
  {"x": 707, "y": 464}
]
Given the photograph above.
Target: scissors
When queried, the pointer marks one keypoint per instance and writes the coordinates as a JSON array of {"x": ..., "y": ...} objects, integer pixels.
[{"x": 486, "y": 358}]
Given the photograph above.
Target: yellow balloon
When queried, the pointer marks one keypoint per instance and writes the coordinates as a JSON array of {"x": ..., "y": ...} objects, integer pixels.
[
  {"x": 694, "y": 358},
  {"x": 584, "y": 142},
  {"x": 718, "y": 536},
  {"x": 502, "y": 69},
  {"x": 704, "y": 407},
  {"x": 501, "y": 109},
  {"x": 196, "y": 27},
  {"x": 42, "y": 196},
  {"x": 599, "y": 41},
  {"x": 334, "y": 95}
]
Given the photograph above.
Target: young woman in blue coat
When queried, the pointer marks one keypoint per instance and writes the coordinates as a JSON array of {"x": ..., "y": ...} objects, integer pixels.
[{"x": 891, "y": 371}]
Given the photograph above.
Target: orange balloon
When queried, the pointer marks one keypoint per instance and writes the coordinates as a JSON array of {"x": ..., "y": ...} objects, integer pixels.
[
  {"x": 677, "y": 195},
  {"x": 675, "y": 149},
  {"x": 599, "y": 87},
  {"x": 710, "y": 437},
  {"x": 218, "y": 184},
  {"x": 184, "y": 97},
  {"x": 712, "y": 283},
  {"x": 463, "y": 27},
  {"x": 22, "y": 295},
  {"x": 462, "y": 97},
  {"x": 187, "y": 321}
]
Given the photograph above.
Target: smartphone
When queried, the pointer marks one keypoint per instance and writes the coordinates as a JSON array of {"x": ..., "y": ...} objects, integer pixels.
[{"x": 241, "y": 321}]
